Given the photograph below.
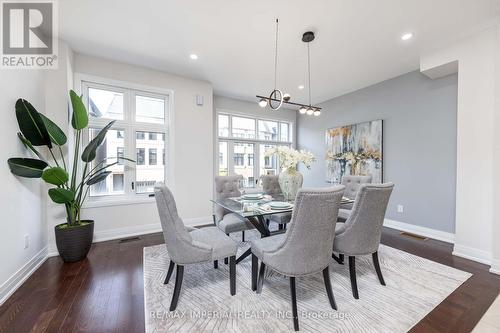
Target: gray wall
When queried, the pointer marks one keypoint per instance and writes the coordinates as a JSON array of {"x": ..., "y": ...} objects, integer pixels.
[{"x": 420, "y": 131}]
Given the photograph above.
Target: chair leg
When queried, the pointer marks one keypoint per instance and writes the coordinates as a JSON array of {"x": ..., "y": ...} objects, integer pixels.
[
  {"x": 260, "y": 281},
  {"x": 225, "y": 259},
  {"x": 255, "y": 268},
  {"x": 177, "y": 290},
  {"x": 377, "y": 268},
  {"x": 328, "y": 286},
  {"x": 339, "y": 259},
  {"x": 280, "y": 226},
  {"x": 169, "y": 273},
  {"x": 294, "y": 304},
  {"x": 243, "y": 236},
  {"x": 232, "y": 275},
  {"x": 352, "y": 272},
  {"x": 216, "y": 264},
  {"x": 284, "y": 226}
]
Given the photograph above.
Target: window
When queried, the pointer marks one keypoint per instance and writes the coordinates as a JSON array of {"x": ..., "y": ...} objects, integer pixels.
[
  {"x": 243, "y": 161},
  {"x": 243, "y": 127},
  {"x": 223, "y": 121},
  {"x": 141, "y": 121},
  {"x": 243, "y": 142},
  {"x": 152, "y": 156},
  {"x": 106, "y": 154},
  {"x": 120, "y": 153},
  {"x": 268, "y": 130},
  {"x": 239, "y": 159},
  {"x": 141, "y": 156},
  {"x": 223, "y": 166},
  {"x": 148, "y": 175}
]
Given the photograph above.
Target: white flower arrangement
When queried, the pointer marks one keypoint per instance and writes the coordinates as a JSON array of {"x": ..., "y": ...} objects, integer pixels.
[{"x": 289, "y": 157}]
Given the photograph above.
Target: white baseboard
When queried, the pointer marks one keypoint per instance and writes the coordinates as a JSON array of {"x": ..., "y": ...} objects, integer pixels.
[
  {"x": 422, "y": 231},
  {"x": 19, "y": 277},
  {"x": 194, "y": 221},
  {"x": 467, "y": 252},
  {"x": 495, "y": 266}
]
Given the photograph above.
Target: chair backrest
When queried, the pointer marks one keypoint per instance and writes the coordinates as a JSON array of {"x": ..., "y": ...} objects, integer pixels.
[
  {"x": 363, "y": 228},
  {"x": 352, "y": 184},
  {"x": 270, "y": 184},
  {"x": 225, "y": 187},
  {"x": 177, "y": 239},
  {"x": 307, "y": 245}
]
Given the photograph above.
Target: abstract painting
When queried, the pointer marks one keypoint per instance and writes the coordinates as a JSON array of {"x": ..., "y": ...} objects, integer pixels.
[{"x": 354, "y": 150}]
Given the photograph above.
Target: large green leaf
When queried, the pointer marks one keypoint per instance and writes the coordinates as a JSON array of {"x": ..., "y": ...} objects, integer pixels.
[
  {"x": 98, "y": 178},
  {"x": 61, "y": 195},
  {"x": 56, "y": 134},
  {"x": 89, "y": 152},
  {"x": 31, "y": 124},
  {"x": 55, "y": 176},
  {"x": 28, "y": 145},
  {"x": 80, "y": 118},
  {"x": 26, "y": 167}
]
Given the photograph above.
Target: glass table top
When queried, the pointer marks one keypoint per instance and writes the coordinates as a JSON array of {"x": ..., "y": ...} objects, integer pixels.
[{"x": 257, "y": 207}]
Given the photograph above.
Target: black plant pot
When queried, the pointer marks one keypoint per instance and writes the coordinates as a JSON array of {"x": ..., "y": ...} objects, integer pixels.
[{"x": 73, "y": 243}]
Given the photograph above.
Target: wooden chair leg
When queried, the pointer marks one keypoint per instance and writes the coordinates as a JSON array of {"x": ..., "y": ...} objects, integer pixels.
[
  {"x": 177, "y": 290},
  {"x": 216, "y": 264},
  {"x": 169, "y": 273},
  {"x": 260, "y": 281},
  {"x": 294, "y": 304},
  {"x": 352, "y": 272},
  {"x": 377, "y": 268},
  {"x": 255, "y": 268},
  {"x": 328, "y": 286},
  {"x": 232, "y": 275}
]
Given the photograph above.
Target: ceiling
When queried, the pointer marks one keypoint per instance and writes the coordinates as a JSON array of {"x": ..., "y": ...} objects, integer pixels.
[{"x": 357, "y": 41}]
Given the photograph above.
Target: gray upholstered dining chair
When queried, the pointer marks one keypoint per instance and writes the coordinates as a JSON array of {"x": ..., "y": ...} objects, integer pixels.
[
  {"x": 352, "y": 184},
  {"x": 227, "y": 187},
  {"x": 191, "y": 246},
  {"x": 271, "y": 186},
  {"x": 305, "y": 248},
  {"x": 360, "y": 234}
]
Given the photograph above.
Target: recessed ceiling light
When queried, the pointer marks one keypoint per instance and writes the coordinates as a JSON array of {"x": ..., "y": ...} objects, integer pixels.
[
  {"x": 301, "y": 87},
  {"x": 407, "y": 36},
  {"x": 193, "y": 56}
]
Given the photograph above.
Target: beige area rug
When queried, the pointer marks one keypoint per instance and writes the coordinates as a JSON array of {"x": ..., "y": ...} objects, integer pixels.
[{"x": 415, "y": 286}]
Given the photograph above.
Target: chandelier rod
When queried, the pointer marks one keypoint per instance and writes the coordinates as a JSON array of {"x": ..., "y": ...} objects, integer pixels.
[
  {"x": 309, "y": 71},
  {"x": 276, "y": 55},
  {"x": 285, "y": 102}
]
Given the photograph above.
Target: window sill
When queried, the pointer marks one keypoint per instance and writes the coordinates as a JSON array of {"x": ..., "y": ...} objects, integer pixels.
[{"x": 118, "y": 202}]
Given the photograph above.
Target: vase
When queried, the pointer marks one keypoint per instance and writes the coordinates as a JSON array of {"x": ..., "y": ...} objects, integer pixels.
[
  {"x": 290, "y": 181},
  {"x": 73, "y": 243}
]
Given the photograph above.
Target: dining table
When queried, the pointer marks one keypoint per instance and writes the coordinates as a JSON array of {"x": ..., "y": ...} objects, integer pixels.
[{"x": 257, "y": 209}]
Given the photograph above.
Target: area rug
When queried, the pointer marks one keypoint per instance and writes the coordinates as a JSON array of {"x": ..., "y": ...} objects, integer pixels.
[{"x": 414, "y": 287}]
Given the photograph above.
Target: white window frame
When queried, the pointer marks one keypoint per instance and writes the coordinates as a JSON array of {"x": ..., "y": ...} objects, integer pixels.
[
  {"x": 231, "y": 140},
  {"x": 130, "y": 127}
]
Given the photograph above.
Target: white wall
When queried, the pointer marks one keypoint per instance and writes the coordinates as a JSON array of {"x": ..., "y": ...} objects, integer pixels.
[
  {"x": 477, "y": 139},
  {"x": 191, "y": 144},
  {"x": 495, "y": 262},
  {"x": 21, "y": 206},
  {"x": 58, "y": 84}
]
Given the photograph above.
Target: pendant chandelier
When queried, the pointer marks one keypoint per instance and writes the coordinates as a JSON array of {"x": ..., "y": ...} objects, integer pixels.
[{"x": 277, "y": 98}]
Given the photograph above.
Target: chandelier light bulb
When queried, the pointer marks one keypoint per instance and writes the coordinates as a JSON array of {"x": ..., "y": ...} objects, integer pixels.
[
  {"x": 263, "y": 103},
  {"x": 310, "y": 111},
  {"x": 317, "y": 113},
  {"x": 302, "y": 110},
  {"x": 286, "y": 97}
]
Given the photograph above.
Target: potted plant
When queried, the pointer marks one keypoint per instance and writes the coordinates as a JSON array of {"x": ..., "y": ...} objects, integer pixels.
[
  {"x": 290, "y": 179},
  {"x": 70, "y": 183}
]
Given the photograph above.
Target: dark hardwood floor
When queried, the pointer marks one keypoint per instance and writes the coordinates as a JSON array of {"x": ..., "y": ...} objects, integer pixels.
[{"x": 104, "y": 293}]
